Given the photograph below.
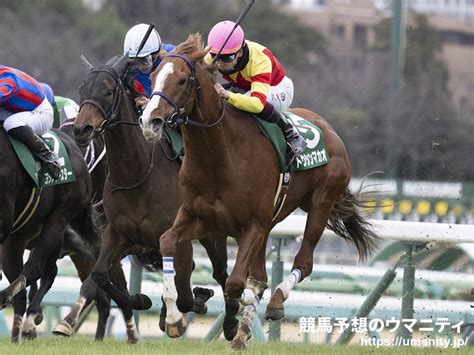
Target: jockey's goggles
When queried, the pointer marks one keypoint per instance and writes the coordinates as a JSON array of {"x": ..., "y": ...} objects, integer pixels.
[
  {"x": 146, "y": 60},
  {"x": 226, "y": 58}
]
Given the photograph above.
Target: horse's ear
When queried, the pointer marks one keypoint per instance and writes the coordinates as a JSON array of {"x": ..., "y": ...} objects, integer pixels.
[
  {"x": 121, "y": 65},
  {"x": 86, "y": 66}
]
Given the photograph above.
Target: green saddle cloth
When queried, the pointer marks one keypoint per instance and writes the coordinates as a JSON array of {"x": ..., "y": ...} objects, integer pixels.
[
  {"x": 176, "y": 140},
  {"x": 315, "y": 154},
  {"x": 36, "y": 170}
]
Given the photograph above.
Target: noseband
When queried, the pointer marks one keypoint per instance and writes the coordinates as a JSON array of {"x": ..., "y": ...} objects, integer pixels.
[{"x": 177, "y": 118}]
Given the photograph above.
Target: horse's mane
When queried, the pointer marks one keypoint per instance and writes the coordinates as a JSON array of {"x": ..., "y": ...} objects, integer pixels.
[{"x": 194, "y": 50}]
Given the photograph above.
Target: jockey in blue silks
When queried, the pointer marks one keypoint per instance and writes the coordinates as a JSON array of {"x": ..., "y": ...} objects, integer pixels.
[
  {"x": 26, "y": 113},
  {"x": 147, "y": 60}
]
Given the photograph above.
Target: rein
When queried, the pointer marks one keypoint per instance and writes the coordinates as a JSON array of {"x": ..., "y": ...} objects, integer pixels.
[
  {"x": 177, "y": 119},
  {"x": 142, "y": 180}
]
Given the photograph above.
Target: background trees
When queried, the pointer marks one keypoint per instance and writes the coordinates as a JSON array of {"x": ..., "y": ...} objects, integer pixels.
[{"x": 349, "y": 87}]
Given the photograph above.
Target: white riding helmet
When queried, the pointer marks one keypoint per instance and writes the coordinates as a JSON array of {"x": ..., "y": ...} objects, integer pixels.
[{"x": 134, "y": 37}]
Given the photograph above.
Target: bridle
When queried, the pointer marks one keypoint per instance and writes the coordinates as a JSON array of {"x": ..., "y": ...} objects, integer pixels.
[
  {"x": 112, "y": 115},
  {"x": 111, "y": 120},
  {"x": 177, "y": 118}
]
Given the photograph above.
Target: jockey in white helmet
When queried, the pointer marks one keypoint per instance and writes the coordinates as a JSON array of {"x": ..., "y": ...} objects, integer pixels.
[{"x": 148, "y": 58}]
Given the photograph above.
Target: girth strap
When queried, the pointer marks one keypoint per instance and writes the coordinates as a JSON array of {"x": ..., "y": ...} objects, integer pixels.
[{"x": 28, "y": 211}]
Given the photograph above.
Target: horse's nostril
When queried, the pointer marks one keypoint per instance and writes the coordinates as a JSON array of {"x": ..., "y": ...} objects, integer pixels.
[
  {"x": 156, "y": 124},
  {"x": 140, "y": 121}
]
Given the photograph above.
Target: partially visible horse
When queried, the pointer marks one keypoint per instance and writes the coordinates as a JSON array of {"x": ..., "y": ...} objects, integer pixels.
[
  {"x": 228, "y": 182},
  {"x": 58, "y": 207},
  {"x": 140, "y": 194}
]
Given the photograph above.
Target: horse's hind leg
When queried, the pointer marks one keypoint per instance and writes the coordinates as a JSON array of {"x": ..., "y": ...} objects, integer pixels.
[
  {"x": 33, "y": 310},
  {"x": 31, "y": 295},
  {"x": 86, "y": 293},
  {"x": 12, "y": 263},
  {"x": 303, "y": 263}
]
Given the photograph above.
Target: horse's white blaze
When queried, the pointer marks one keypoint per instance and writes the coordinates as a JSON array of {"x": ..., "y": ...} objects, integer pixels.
[{"x": 166, "y": 71}]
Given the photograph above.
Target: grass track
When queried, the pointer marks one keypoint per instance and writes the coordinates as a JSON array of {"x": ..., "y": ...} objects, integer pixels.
[{"x": 80, "y": 345}]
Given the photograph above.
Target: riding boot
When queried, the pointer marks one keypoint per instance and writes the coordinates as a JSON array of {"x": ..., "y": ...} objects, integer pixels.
[
  {"x": 296, "y": 142},
  {"x": 39, "y": 148}
]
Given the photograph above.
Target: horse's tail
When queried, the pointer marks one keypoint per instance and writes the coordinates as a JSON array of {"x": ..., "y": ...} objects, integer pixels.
[
  {"x": 86, "y": 225},
  {"x": 347, "y": 222}
]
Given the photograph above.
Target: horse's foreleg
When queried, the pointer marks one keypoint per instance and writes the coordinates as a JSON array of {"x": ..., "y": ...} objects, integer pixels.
[
  {"x": 183, "y": 265},
  {"x": 175, "y": 322},
  {"x": 250, "y": 243},
  {"x": 303, "y": 263},
  {"x": 33, "y": 310},
  {"x": 118, "y": 279},
  {"x": 113, "y": 247},
  {"x": 216, "y": 248},
  {"x": 255, "y": 286}
]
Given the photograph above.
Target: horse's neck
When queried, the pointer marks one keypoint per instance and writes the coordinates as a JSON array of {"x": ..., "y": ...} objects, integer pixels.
[
  {"x": 202, "y": 142},
  {"x": 128, "y": 153}
]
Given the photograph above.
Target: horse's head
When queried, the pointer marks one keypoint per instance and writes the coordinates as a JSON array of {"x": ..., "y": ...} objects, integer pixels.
[
  {"x": 101, "y": 95},
  {"x": 174, "y": 85}
]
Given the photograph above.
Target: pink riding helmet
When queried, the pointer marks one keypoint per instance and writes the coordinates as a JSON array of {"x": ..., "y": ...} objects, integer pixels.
[{"x": 218, "y": 35}]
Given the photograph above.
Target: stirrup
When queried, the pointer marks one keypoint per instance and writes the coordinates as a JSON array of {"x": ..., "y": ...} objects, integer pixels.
[
  {"x": 50, "y": 160},
  {"x": 54, "y": 170},
  {"x": 297, "y": 145}
]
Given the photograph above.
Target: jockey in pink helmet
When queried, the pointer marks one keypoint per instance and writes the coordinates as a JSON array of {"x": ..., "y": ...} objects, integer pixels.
[{"x": 257, "y": 74}]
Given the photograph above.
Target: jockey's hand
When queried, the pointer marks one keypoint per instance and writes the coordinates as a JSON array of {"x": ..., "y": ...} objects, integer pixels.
[
  {"x": 221, "y": 91},
  {"x": 141, "y": 102}
]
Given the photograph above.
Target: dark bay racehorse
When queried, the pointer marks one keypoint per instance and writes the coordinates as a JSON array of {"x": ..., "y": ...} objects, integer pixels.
[
  {"x": 140, "y": 194},
  {"x": 59, "y": 206},
  {"x": 228, "y": 182}
]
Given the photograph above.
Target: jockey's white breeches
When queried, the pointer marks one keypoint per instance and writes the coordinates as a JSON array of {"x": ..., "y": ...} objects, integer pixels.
[
  {"x": 281, "y": 95},
  {"x": 40, "y": 120}
]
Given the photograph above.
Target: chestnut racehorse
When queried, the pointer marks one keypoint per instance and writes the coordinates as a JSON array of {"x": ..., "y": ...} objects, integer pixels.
[
  {"x": 228, "y": 183},
  {"x": 141, "y": 191}
]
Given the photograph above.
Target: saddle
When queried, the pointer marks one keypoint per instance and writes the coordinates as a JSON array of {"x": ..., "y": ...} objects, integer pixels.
[{"x": 36, "y": 170}]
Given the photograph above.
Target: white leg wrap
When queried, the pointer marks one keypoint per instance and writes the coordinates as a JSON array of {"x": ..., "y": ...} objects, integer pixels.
[
  {"x": 248, "y": 297},
  {"x": 29, "y": 323},
  {"x": 289, "y": 283},
  {"x": 131, "y": 326},
  {"x": 77, "y": 308},
  {"x": 170, "y": 294}
]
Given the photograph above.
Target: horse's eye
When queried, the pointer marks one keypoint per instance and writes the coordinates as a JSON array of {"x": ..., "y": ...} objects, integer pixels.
[
  {"x": 182, "y": 82},
  {"x": 109, "y": 93}
]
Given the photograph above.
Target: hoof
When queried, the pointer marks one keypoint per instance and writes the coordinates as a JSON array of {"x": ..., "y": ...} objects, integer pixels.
[
  {"x": 39, "y": 318},
  {"x": 162, "y": 323},
  {"x": 230, "y": 330},
  {"x": 63, "y": 329},
  {"x": 29, "y": 334},
  {"x": 274, "y": 313},
  {"x": 177, "y": 329},
  {"x": 199, "y": 309},
  {"x": 201, "y": 296},
  {"x": 238, "y": 345},
  {"x": 132, "y": 340},
  {"x": 140, "y": 302}
]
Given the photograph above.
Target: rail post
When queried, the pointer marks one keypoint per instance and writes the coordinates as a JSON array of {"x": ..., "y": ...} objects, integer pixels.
[{"x": 277, "y": 277}]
